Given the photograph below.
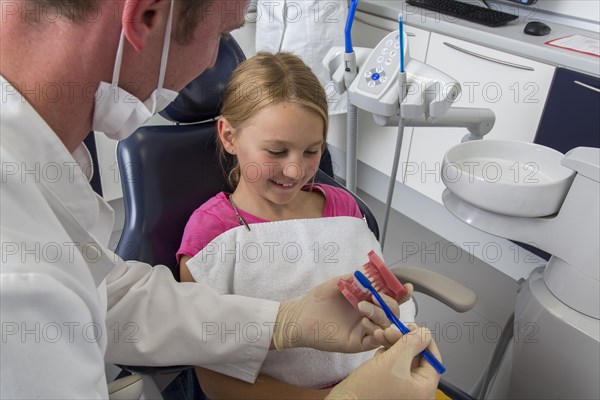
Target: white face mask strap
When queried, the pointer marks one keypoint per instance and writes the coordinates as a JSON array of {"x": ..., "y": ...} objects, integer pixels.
[
  {"x": 118, "y": 60},
  {"x": 166, "y": 44},
  {"x": 164, "y": 57}
]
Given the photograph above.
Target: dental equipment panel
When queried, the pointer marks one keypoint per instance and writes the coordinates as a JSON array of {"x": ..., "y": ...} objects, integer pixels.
[
  {"x": 378, "y": 77},
  {"x": 427, "y": 91},
  {"x": 398, "y": 91}
]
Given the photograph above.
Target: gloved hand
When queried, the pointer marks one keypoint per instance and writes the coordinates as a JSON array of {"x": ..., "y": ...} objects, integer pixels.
[
  {"x": 396, "y": 373},
  {"x": 325, "y": 320},
  {"x": 372, "y": 327}
]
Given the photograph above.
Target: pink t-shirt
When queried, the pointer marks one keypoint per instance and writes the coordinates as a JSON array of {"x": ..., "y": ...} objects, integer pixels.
[{"x": 217, "y": 216}]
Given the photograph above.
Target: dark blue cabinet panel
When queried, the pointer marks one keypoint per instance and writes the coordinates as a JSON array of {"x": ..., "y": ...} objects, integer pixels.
[{"x": 571, "y": 117}]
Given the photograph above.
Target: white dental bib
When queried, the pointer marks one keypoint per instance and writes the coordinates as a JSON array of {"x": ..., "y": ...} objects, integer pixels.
[{"x": 282, "y": 261}]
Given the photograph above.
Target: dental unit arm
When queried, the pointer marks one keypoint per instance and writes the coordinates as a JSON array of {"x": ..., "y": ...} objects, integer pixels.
[
  {"x": 428, "y": 98},
  {"x": 400, "y": 91}
]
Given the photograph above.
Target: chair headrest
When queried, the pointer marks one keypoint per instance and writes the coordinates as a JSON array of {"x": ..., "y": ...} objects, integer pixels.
[{"x": 200, "y": 100}]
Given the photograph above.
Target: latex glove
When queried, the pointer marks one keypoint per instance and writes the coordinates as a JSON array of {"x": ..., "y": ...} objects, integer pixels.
[
  {"x": 372, "y": 327},
  {"x": 396, "y": 373},
  {"x": 325, "y": 320}
]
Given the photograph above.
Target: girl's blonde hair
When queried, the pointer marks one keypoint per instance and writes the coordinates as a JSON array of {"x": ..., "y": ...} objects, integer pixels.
[{"x": 263, "y": 80}]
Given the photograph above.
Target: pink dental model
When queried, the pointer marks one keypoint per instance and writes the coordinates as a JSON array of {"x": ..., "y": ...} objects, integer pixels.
[{"x": 382, "y": 279}]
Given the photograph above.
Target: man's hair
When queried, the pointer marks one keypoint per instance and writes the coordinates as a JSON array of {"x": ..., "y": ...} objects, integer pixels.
[
  {"x": 74, "y": 10},
  {"x": 189, "y": 17},
  {"x": 190, "y": 14}
]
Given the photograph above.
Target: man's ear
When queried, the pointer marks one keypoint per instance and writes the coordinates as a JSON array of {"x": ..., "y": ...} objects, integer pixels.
[
  {"x": 140, "y": 17},
  {"x": 226, "y": 135}
]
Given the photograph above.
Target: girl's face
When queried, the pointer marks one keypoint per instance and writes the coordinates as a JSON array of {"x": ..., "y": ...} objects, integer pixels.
[{"x": 278, "y": 151}]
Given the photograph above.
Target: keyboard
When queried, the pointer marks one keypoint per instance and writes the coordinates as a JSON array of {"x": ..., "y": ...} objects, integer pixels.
[{"x": 468, "y": 12}]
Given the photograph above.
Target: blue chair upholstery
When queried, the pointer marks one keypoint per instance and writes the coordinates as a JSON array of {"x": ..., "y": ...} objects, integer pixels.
[{"x": 167, "y": 172}]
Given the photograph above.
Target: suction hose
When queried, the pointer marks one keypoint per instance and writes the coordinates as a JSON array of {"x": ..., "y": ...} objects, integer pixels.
[
  {"x": 392, "y": 185},
  {"x": 351, "y": 139},
  {"x": 352, "y": 113}
]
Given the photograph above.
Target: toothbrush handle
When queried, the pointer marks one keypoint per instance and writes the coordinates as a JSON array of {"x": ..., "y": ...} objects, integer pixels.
[
  {"x": 435, "y": 363},
  {"x": 428, "y": 355}
]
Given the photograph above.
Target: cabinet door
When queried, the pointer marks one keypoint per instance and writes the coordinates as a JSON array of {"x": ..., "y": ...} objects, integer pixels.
[
  {"x": 515, "y": 88},
  {"x": 571, "y": 117}
]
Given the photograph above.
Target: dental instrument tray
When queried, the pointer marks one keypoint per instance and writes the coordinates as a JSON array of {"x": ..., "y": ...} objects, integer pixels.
[
  {"x": 469, "y": 12},
  {"x": 507, "y": 177}
]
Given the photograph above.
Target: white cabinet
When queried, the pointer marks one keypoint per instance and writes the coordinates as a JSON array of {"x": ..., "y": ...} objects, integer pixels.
[{"x": 515, "y": 88}]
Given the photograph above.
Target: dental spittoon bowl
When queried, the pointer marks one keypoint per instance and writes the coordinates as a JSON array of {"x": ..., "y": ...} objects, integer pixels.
[{"x": 507, "y": 177}]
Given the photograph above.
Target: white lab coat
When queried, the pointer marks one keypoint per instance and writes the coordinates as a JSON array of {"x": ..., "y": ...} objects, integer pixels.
[
  {"x": 307, "y": 28},
  {"x": 69, "y": 304}
]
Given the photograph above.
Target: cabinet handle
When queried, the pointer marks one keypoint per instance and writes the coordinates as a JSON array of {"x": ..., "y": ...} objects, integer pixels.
[
  {"x": 595, "y": 89},
  {"x": 509, "y": 64},
  {"x": 364, "y": 21}
]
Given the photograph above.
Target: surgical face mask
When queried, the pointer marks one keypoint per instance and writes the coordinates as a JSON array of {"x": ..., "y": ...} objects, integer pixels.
[{"x": 117, "y": 112}]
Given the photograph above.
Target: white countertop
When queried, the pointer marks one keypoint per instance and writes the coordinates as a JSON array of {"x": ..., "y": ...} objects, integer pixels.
[{"x": 509, "y": 38}]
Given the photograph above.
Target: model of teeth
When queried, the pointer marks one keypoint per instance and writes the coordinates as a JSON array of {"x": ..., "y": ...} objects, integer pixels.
[{"x": 381, "y": 277}]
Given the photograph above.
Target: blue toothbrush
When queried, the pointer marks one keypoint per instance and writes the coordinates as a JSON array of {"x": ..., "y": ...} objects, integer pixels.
[{"x": 366, "y": 283}]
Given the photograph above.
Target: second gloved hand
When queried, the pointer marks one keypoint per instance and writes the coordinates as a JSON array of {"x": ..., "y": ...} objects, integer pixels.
[
  {"x": 325, "y": 320},
  {"x": 396, "y": 373}
]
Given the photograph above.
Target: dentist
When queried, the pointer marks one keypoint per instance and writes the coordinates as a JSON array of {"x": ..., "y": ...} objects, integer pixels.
[{"x": 68, "y": 304}]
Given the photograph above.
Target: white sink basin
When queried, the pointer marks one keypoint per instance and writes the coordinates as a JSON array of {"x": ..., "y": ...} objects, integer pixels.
[{"x": 508, "y": 177}]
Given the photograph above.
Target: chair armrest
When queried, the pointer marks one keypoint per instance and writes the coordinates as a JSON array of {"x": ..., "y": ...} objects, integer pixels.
[
  {"x": 127, "y": 388},
  {"x": 446, "y": 290}
]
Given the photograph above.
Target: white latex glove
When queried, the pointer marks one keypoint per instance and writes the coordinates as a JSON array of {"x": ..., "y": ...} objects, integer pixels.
[
  {"x": 396, "y": 373},
  {"x": 325, "y": 320}
]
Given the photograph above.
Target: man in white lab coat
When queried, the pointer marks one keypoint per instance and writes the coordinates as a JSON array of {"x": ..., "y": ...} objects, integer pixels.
[{"x": 68, "y": 303}]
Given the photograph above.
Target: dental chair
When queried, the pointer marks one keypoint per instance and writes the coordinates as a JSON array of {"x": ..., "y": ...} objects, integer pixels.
[{"x": 169, "y": 171}]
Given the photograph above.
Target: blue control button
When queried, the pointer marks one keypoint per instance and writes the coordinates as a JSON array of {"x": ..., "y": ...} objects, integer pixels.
[{"x": 375, "y": 76}]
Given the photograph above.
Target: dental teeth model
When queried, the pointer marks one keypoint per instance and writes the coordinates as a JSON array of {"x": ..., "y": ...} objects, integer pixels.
[{"x": 382, "y": 279}]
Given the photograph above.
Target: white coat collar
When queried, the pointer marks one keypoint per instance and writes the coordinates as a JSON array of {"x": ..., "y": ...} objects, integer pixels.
[{"x": 45, "y": 158}]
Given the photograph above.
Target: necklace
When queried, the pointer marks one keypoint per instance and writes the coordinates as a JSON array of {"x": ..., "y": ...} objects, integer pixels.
[{"x": 240, "y": 219}]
